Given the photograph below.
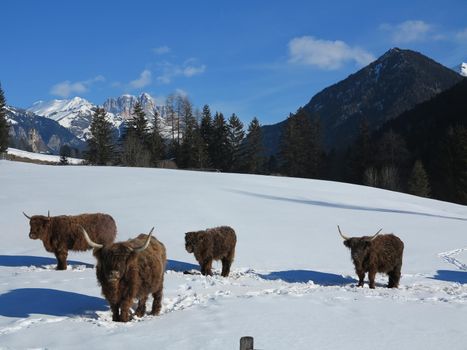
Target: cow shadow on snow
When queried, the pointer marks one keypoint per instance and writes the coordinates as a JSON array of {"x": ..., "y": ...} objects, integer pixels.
[
  {"x": 37, "y": 261},
  {"x": 451, "y": 276},
  {"x": 23, "y": 302},
  {"x": 180, "y": 266},
  {"x": 305, "y": 276}
]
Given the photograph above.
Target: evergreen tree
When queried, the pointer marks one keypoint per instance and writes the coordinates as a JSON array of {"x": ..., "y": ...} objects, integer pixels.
[
  {"x": 188, "y": 148},
  {"x": 4, "y": 127},
  {"x": 219, "y": 146},
  {"x": 65, "y": 152},
  {"x": 136, "y": 142},
  {"x": 300, "y": 146},
  {"x": 236, "y": 136},
  {"x": 138, "y": 123},
  {"x": 254, "y": 159},
  {"x": 361, "y": 154},
  {"x": 100, "y": 142},
  {"x": 452, "y": 166},
  {"x": 156, "y": 142},
  {"x": 206, "y": 133},
  {"x": 418, "y": 181}
]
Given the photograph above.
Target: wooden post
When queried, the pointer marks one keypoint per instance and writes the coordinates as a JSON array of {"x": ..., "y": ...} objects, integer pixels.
[{"x": 246, "y": 343}]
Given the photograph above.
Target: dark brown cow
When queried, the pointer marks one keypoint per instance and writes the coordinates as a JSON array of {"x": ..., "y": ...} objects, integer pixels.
[
  {"x": 130, "y": 270},
  {"x": 62, "y": 233},
  {"x": 378, "y": 253},
  {"x": 212, "y": 244}
]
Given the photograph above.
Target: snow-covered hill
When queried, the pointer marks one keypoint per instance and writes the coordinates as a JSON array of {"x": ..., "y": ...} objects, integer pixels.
[
  {"x": 41, "y": 157},
  {"x": 292, "y": 284}
]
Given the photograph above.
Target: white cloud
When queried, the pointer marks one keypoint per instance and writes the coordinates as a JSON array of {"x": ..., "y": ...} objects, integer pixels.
[
  {"x": 462, "y": 35},
  {"x": 67, "y": 88},
  {"x": 161, "y": 50},
  {"x": 326, "y": 54},
  {"x": 143, "y": 80},
  {"x": 408, "y": 31},
  {"x": 188, "y": 69}
]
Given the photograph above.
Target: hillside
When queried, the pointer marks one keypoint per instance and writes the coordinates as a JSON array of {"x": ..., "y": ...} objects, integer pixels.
[
  {"x": 394, "y": 83},
  {"x": 292, "y": 280}
]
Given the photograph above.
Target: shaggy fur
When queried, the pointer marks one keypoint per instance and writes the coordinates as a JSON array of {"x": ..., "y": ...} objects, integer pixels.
[
  {"x": 62, "y": 233},
  {"x": 212, "y": 244},
  {"x": 382, "y": 254},
  {"x": 126, "y": 275}
]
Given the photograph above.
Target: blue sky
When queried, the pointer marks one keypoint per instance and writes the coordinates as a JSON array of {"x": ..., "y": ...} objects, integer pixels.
[{"x": 255, "y": 58}]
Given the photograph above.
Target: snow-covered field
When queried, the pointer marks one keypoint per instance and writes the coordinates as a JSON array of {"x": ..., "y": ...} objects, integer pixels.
[
  {"x": 40, "y": 156},
  {"x": 292, "y": 284}
]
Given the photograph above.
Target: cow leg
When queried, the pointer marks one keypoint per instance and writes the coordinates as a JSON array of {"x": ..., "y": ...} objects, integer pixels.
[
  {"x": 61, "y": 256},
  {"x": 141, "y": 309},
  {"x": 394, "y": 277},
  {"x": 371, "y": 277},
  {"x": 125, "y": 310},
  {"x": 157, "y": 302},
  {"x": 226, "y": 262},
  {"x": 361, "y": 278},
  {"x": 115, "y": 313},
  {"x": 206, "y": 267}
]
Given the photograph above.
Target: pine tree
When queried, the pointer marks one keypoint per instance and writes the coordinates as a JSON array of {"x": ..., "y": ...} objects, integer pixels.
[
  {"x": 156, "y": 142},
  {"x": 4, "y": 127},
  {"x": 418, "y": 181},
  {"x": 206, "y": 131},
  {"x": 452, "y": 166},
  {"x": 219, "y": 147},
  {"x": 236, "y": 136},
  {"x": 361, "y": 154},
  {"x": 301, "y": 146},
  {"x": 65, "y": 152},
  {"x": 136, "y": 140},
  {"x": 139, "y": 123},
  {"x": 188, "y": 148},
  {"x": 100, "y": 144},
  {"x": 254, "y": 159}
]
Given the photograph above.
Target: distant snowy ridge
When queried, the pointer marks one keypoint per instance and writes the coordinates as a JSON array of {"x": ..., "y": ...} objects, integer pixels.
[
  {"x": 76, "y": 114},
  {"x": 461, "y": 69}
]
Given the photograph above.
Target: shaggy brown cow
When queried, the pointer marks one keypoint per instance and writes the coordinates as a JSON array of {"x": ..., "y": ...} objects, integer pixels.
[
  {"x": 130, "y": 270},
  {"x": 378, "y": 253},
  {"x": 212, "y": 244},
  {"x": 62, "y": 233}
]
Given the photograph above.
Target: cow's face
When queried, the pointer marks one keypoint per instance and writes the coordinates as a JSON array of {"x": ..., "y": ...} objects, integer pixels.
[
  {"x": 358, "y": 247},
  {"x": 39, "y": 226},
  {"x": 113, "y": 262},
  {"x": 191, "y": 239}
]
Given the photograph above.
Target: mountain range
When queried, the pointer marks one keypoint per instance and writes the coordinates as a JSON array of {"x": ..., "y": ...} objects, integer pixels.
[{"x": 396, "y": 82}]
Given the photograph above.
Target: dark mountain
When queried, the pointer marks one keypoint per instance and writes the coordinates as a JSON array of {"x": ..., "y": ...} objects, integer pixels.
[
  {"x": 394, "y": 83},
  {"x": 428, "y": 130},
  {"x": 39, "y": 134}
]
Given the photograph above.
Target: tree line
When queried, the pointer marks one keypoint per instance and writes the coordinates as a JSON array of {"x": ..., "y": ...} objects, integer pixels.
[
  {"x": 423, "y": 153},
  {"x": 192, "y": 139}
]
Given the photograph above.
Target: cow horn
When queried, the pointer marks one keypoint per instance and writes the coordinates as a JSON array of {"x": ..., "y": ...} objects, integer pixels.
[
  {"x": 374, "y": 236},
  {"x": 342, "y": 235},
  {"x": 91, "y": 243},
  {"x": 26, "y": 215},
  {"x": 146, "y": 244}
]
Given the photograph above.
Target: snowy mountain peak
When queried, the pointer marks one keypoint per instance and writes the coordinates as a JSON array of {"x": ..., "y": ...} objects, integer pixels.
[
  {"x": 461, "y": 69},
  {"x": 75, "y": 114}
]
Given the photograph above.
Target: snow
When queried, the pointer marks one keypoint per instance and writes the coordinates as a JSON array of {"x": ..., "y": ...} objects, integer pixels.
[
  {"x": 461, "y": 69},
  {"x": 40, "y": 156},
  {"x": 292, "y": 283}
]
